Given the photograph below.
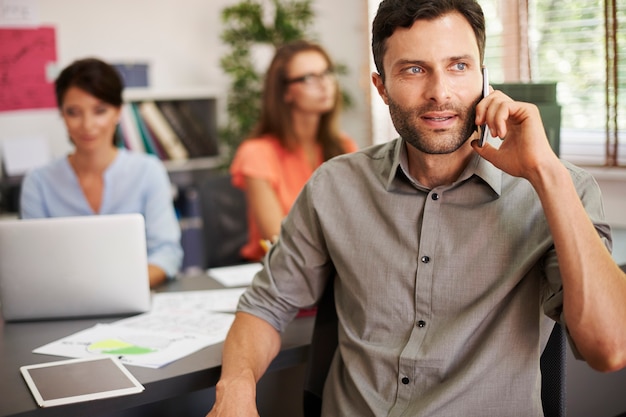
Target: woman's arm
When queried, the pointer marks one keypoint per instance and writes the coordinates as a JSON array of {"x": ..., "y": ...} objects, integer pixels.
[
  {"x": 31, "y": 200},
  {"x": 162, "y": 228},
  {"x": 266, "y": 208}
]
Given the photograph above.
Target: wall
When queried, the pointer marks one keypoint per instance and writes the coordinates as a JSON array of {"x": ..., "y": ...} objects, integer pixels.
[{"x": 181, "y": 42}]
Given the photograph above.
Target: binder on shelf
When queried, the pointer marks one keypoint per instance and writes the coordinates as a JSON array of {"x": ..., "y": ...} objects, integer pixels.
[
  {"x": 130, "y": 130},
  {"x": 146, "y": 135},
  {"x": 196, "y": 114},
  {"x": 160, "y": 151},
  {"x": 163, "y": 132},
  {"x": 182, "y": 125},
  {"x": 120, "y": 141}
]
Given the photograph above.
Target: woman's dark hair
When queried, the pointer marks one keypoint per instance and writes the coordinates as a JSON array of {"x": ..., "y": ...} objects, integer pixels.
[
  {"x": 94, "y": 76},
  {"x": 275, "y": 118},
  {"x": 97, "y": 78},
  {"x": 393, "y": 14}
]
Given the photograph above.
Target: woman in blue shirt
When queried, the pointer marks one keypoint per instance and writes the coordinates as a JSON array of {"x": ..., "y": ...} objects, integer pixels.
[{"x": 99, "y": 178}]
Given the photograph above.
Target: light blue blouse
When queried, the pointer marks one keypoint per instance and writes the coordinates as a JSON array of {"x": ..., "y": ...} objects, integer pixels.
[{"x": 133, "y": 183}]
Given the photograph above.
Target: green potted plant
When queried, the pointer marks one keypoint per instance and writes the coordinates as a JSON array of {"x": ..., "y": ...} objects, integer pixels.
[
  {"x": 253, "y": 29},
  {"x": 254, "y": 25}
]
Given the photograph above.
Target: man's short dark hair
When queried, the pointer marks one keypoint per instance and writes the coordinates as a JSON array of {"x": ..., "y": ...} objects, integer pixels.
[{"x": 393, "y": 14}]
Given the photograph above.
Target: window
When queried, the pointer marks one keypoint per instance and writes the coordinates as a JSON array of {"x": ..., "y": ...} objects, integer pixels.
[{"x": 566, "y": 41}]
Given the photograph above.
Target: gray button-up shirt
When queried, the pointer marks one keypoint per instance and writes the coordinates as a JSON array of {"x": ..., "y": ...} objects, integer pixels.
[{"x": 445, "y": 296}]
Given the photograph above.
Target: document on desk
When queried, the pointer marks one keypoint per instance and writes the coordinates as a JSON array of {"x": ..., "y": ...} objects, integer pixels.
[
  {"x": 235, "y": 276},
  {"x": 178, "y": 325},
  {"x": 187, "y": 302}
]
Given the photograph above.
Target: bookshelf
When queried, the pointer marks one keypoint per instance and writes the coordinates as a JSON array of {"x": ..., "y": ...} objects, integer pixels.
[{"x": 178, "y": 126}]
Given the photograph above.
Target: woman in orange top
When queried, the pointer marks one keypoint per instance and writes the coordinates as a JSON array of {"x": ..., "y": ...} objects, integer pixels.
[{"x": 297, "y": 131}]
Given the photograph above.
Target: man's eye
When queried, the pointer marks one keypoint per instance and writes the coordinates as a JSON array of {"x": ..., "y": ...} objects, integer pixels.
[
  {"x": 415, "y": 70},
  {"x": 461, "y": 66}
]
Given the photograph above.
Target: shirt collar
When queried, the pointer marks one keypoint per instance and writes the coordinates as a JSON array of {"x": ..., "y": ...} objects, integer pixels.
[
  {"x": 477, "y": 166},
  {"x": 488, "y": 172}
]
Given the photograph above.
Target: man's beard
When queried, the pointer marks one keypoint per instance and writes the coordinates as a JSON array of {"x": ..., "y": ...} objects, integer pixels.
[{"x": 405, "y": 120}]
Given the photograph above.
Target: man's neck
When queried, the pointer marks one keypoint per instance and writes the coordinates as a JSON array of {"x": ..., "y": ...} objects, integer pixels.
[{"x": 435, "y": 170}]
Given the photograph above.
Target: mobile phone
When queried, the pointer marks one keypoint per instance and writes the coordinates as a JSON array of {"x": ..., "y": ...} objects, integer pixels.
[{"x": 483, "y": 128}]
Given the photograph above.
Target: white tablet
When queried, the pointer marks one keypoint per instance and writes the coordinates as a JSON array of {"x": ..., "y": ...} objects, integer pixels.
[{"x": 77, "y": 380}]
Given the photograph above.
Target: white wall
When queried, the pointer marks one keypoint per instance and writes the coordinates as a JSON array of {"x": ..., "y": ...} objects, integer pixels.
[{"x": 181, "y": 42}]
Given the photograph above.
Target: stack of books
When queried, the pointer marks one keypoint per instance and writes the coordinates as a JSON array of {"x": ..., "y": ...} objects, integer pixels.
[{"x": 171, "y": 129}]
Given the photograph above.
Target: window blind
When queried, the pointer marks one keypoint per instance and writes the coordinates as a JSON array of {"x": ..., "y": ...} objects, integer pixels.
[{"x": 578, "y": 44}]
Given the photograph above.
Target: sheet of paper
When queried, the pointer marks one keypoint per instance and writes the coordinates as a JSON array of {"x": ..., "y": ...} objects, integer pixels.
[
  {"x": 19, "y": 13},
  {"x": 179, "y": 323},
  {"x": 235, "y": 276},
  {"x": 20, "y": 155},
  {"x": 137, "y": 345},
  {"x": 192, "y": 302}
]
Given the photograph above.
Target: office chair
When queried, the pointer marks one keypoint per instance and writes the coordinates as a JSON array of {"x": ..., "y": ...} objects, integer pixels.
[
  {"x": 224, "y": 221},
  {"x": 324, "y": 343},
  {"x": 552, "y": 364}
]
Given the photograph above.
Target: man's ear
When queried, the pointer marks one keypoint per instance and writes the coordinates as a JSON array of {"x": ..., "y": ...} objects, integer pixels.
[{"x": 380, "y": 86}]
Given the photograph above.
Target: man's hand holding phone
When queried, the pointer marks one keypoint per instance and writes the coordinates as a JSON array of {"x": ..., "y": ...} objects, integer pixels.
[{"x": 524, "y": 145}]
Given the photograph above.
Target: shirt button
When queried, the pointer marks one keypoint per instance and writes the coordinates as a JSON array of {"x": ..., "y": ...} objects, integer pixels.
[
  {"x": 405, "y": 380},
  {"x": 425, "y": 259},
  {"x": 435, "y": 196},
  {"x": 421, "y": 323}
]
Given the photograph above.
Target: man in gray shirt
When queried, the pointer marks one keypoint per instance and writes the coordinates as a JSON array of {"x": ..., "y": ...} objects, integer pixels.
[{"x": 450, "y": 261}]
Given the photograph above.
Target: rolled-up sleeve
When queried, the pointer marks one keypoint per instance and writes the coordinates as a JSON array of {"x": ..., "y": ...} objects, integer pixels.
[{"x": 297, "y": 268}]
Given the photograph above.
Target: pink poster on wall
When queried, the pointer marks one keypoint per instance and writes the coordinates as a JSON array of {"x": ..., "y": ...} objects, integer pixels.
[{"x": 24, "y": 57}]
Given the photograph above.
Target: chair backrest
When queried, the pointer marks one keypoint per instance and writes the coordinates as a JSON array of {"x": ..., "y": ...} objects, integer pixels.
[
  {"x": 552, "y": 363},
  {"x": 324, "y": 343},
  {"x": 224, "y": 221}
]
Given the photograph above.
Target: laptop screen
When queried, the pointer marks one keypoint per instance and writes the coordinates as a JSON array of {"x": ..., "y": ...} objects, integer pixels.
[{"x": 68, "y": 267}]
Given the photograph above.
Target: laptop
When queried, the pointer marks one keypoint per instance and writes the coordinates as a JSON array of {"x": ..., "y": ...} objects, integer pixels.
[{"x": 70, "y": 267}]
